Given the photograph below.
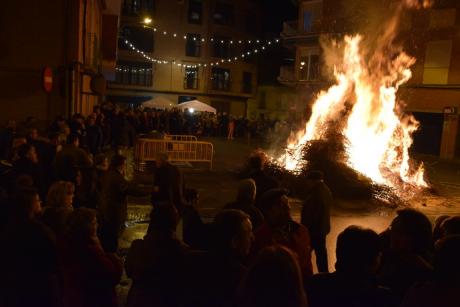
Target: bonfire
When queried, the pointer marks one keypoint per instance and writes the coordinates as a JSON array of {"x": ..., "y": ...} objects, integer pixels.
[{"x": 358, "y": 132}]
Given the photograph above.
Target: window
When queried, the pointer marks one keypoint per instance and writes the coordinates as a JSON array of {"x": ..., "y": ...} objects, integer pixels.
[
  {"x": 247, "y": 82},
  {"x": 193, "y": 45},
  {"x": 134, "y": 73},
  {"x": 140, "y": 37},
  {"x": 309, "y": 65},
  {"x": 437, "y": 62},
  {"x": 191, "y": 78},
  {"x": 307, "y": 21},
  {"x": 221, "y": 47},
  {"x": 220, "y": 79},
  {"x": 137, "y": 7},
  {"x": 223, "y": 13},
  {"x": 195, "y": 11}
]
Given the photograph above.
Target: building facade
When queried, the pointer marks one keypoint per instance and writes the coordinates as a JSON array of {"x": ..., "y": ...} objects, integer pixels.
[
  {"x": 76, "y": 39},
  {"x": 429, "y": 35},
  {"x": 194, "y": 34}
]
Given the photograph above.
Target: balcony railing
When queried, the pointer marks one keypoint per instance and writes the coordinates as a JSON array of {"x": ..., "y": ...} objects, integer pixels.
[
  {"x": 290, "y": 28},
  {"x": 286, "y": 73}
]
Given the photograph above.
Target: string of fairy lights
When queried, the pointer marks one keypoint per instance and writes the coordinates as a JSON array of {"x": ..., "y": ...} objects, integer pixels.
[
  {"x": 243, "y": 55},
  {"x": 259, "y": 48},
  {"x": 197, "y": 37}
]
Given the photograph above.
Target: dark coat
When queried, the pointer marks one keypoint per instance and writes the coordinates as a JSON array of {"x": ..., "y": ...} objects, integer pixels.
[
  {"x": 263, "y": 183},
  {"x": 56, "y": 219},
  {"x": 315, "y": 213},
  {"x": 94, "y": 138},
  {"x": 69, "y": 160},
  {"x": 114, "y": 204},
  {"x": 89, "y": 275},
  {"x": 212, "y": 279},
  {"x": 170, "y": 186},
  {"x": 156, "y": 266},
  {"x": 247, "y": 207},
  {"x": 24, "y": 166},
  {"x": 339, "y": 290},
  {"x": 30, "y": 268},
  {"x": 400, "y": 271}
]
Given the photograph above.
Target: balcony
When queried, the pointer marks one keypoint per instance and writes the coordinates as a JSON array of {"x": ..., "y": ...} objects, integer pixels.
[
  {"x": 287, "y": 75},
  {"x": 290, "y": 28}
]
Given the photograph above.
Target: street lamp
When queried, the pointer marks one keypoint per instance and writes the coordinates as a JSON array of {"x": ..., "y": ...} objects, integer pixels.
[{"x": 147, "y": 20}]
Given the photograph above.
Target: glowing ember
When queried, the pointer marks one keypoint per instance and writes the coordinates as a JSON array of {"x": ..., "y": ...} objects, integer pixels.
[{"x": 363, "y": 100}]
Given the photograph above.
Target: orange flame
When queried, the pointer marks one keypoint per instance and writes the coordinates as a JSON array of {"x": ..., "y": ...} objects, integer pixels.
[{"x": 378, "y": 135}]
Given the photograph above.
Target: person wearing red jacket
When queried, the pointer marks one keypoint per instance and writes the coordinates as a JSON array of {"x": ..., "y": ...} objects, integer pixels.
[
  {"x": 89, "y": 274},
  {"x": 280, "y": 229}
]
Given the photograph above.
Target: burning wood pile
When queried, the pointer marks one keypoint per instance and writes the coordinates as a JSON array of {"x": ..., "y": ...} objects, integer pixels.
[{"x": 358, "y": 133}]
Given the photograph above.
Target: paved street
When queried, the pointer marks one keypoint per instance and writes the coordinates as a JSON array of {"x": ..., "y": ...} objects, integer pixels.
[{"x": 218, "y": 186}]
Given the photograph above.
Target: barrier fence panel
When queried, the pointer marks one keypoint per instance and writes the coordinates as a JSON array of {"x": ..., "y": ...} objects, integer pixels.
[
  {"x": 180, "y": 151},
  {"x": 187, "y": 138}
]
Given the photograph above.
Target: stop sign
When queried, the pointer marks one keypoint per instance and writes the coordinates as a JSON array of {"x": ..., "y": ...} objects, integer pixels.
[{"x": 47, "y": 78}]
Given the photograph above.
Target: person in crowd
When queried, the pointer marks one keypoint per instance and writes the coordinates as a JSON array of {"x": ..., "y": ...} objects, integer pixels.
[
  {"x": 444, "y": 289},
  {"x": 94, "y": 136},
  {"x": 437, "y": 229},
  {"x": 280, "y": 228},
  {"x": 353, "y": 283},
  {"x": 123, "y": 133},
  {"x": 245, "y": 202},
  {"x": 156, "y": 263},
  {"x": 213, "y": 276},
  {"x": 273, "y": 280},
  {"x": 256, "y": 173},
  {"x": 70, "y": 159},
  {"x": 231, "y": 128},
  {"x": 78, "y": 127},
  {"x": 28, "y": 164},
  {"x": 97, "y": 179},
  {"x": 7, "y": 136},
  {"x": 451, "y": 226},
  {"x": 168, "y": 183},
  {"x": 315, "y": 216},
  {"x": 113, "y": 208},
  {"x": 59, "y": 205},
  {"x": 89, "y": 274},
  {"x": 29, "y": 275},
  {"x": 407, "y": 259}
]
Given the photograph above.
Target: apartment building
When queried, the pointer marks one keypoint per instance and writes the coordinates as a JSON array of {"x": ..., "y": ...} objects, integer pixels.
[
  {"x": 76, "y": 40},
  {"x": 185, "y": 38},
  {"x": 429, "y": 35}
]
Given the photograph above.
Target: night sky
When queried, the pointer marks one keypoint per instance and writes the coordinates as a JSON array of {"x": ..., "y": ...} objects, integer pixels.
[{"x": 277, "y": 11}]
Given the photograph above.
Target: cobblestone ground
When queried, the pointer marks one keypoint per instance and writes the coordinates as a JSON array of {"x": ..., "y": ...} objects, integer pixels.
[{"x": 218, "y": 186}]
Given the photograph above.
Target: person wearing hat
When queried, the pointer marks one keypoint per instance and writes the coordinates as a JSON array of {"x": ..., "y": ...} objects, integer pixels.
[
  {"x": 280, "y": 229},
  {"x": 315, "y": 216}
]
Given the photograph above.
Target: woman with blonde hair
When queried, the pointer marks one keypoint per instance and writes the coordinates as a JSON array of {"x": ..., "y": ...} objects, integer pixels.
[{"x": 58, "y": 206}]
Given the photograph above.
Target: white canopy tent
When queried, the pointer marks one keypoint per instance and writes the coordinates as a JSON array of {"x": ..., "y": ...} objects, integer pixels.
[
  {"x": 159, "y": 103},
  {"x": 198, "y": 106}
]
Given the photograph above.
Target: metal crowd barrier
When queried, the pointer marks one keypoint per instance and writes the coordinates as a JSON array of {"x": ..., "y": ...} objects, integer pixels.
[
  {"x": 187, "y": 150},
  {"x": 186, "y": 138}
]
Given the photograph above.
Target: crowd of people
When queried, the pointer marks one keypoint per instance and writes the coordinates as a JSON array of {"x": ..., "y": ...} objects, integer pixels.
[{"x": 63, "y": 208}]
